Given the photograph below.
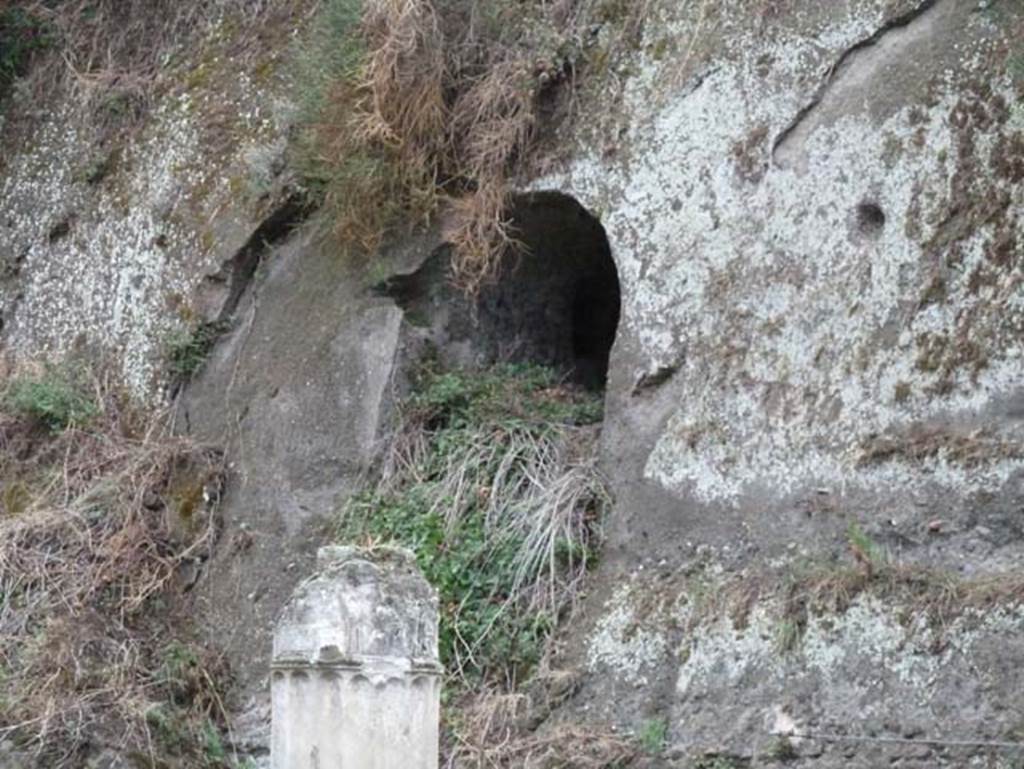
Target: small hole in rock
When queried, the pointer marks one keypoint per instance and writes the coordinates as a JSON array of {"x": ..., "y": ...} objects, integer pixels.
[
  {"x": 61, "y": 229},
  {"x": 870, "y": 219}
]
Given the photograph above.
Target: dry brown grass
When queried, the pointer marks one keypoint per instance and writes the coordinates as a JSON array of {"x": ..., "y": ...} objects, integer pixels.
[
  {"x": 115, "y": 57},
  {"x": 91, "y": 548},
  {"x": 494, "y": 732},
  {"x": 799, "y": 592},
  {"x": 969, "y": 449},
  {"x": 940, "y": 596},
  {"x": 438, "y": 106}
]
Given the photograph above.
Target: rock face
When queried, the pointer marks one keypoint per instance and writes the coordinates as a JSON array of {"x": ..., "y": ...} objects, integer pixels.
[
  {"x": 814, "y": 414},
  {"x": 115, "y": 247},
  {"x": 817, "y": 234},
  {"x": 816, "y": 212},
  {"x": 296, "y": 391}
]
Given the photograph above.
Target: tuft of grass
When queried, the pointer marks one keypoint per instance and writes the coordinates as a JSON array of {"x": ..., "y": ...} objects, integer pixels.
[
  {"x": 187, "y": 351},
  {"x": 652, "y": 736},
  {"x": 788, "y": 634},
  {"x": 409, "y": 106},
  {"x": 57, "y": 397},
  {"x": 491, "y": 481},
  {"x": 868, "y": 554}
]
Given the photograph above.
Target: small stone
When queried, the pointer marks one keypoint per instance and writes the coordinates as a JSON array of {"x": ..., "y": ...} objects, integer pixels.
[{"x": 108, "y": 759}]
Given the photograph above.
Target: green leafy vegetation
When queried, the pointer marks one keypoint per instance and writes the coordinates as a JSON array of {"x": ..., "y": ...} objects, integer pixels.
[
  {"x": 58, "y": 397},
  {"x": 514, "y": 394},
  {"x": 490, "y": 482},
  {"x": 187, "y": 351},
  {"x": 652, "y": 736},
  {"x": 864, "y": 549},
  {"x": 21, "y": 35}
]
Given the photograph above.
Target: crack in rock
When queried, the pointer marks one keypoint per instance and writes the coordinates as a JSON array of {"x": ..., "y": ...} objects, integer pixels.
[
  {"x": 222, "y": 291},
  {"x": 855, "y": 71}
]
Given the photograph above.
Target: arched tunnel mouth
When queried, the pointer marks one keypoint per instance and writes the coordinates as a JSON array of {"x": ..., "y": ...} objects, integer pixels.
[
  {"x": 557, "y": 293},
  {"x": 554, "y": 301}
]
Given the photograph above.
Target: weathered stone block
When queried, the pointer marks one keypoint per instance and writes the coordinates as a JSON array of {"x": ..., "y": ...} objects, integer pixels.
[{"x": 356, "y": 679}]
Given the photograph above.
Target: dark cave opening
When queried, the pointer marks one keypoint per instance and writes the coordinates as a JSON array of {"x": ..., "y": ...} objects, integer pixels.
[{"x": 555, "y": 300}]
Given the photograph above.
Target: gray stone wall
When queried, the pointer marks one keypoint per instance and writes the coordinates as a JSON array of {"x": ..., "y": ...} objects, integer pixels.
[{"x": 816, "y": 212}]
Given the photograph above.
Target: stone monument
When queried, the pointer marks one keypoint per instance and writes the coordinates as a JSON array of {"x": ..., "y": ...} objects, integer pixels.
[{"x": 355, "y": 678}]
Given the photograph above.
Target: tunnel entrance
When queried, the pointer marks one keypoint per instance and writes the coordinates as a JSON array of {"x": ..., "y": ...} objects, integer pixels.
[{"x": 555, "y": 302}]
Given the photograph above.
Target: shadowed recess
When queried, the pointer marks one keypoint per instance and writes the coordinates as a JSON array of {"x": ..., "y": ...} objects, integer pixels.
[
  {"x": 555, "y": 300},
  {"x": 559, "y": 298}
]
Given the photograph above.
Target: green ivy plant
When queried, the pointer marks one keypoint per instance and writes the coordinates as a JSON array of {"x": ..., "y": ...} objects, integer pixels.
[{"x": 479, "y": 452}]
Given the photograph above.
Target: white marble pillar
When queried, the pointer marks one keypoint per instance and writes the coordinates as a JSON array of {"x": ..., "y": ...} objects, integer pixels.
[{"x": 356, "y": 682}]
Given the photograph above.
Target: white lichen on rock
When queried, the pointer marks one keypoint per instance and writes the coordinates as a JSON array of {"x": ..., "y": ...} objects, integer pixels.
[
  {"x": 625, "y": 641},
  {"x": 109, "y": 261},
  {"x": 870, "y": 646},
  {"x": 738, "y": 229}
]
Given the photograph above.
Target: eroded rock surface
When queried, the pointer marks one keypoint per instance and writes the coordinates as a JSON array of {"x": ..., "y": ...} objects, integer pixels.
[
  {"x": 816, "y": 215},
  {"x": 815, "y": 210},
  {"x": 116, "y": 245}
]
